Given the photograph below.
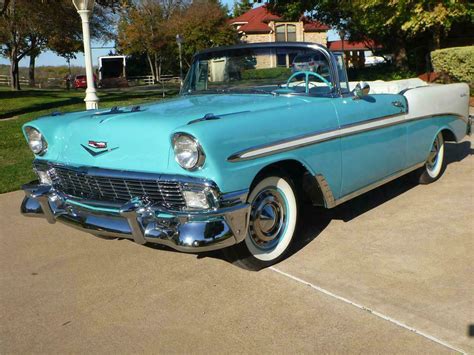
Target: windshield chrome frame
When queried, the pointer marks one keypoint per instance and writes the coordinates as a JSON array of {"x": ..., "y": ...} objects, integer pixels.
[{"x": 337, "y": 91}]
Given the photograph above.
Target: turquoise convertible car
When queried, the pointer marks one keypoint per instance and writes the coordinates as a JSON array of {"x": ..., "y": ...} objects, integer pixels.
[{"x": 227, "y": 164}]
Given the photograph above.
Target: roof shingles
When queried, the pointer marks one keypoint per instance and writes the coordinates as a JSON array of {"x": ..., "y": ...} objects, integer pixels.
[
  {"x": 256, "y": 21},
  {"x": 352, "y": 46}
]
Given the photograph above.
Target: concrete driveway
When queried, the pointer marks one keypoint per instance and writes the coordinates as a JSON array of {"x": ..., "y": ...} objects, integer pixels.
[{"x": 391, "y": 271}]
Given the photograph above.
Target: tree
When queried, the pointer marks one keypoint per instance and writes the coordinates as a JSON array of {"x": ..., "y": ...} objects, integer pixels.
[
  {"x": 150, "y": 27},
  {"x": 3, "y": 6},
  {"x": 203, "y": 24},
  {"x": 29, "y": 26},
  {"x": 241, "y": 7},
  {"x": 394, "y": 24},
  {"x": 436, "y": 17},
  {"x": 143, "y": 30},
  {"x": 14, "y": 28},
  {"x": 50, "y": 26}
]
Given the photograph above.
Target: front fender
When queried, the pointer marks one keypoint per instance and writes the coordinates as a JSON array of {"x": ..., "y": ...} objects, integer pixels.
[{"x": 221, "y": 138}]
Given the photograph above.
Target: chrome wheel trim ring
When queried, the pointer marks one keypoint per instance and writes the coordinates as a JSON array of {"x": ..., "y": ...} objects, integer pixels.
[{"x": 268, "y": 218}]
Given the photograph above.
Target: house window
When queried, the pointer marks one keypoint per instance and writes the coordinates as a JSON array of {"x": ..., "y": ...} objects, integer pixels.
[
  {"x": 281, "y": 60},
  {"x": 280, "y": 33},
  {"x": 285, "y": 33},
  {"x": 291, "y": 58},
  {"x": 291, "y": 33},
  {"x": 284, "y": 58}
]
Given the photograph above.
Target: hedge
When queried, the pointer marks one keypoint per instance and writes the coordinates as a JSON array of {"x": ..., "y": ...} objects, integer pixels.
[
  {"x": 384, "y": 71},
  {"x": 267, "y": 73},
  {"x": 457, "y": 63}
]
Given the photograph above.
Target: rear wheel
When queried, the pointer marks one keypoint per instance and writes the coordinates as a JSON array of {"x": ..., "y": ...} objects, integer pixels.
[
  {"x": 272, "y": 224},
  {"x": 435, "y": 163}
]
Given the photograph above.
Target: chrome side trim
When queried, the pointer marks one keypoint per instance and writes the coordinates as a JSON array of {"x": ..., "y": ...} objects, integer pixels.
[
  {"x": 457, "y": 115},
  {"x": 310, "y": 138},
  {"x": 331, "y": 202},
  {"x": 372, "y": 120},
  {"x": 326, "y": 135}
]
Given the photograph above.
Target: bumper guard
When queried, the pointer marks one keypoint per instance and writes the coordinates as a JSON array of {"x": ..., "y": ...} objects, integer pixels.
[{"x": 142, "y": 222}]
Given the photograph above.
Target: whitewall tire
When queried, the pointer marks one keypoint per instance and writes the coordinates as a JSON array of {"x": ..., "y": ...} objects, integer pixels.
[
  {"x": 272, "y": 224},
  {"x": 435, "y": 164}
]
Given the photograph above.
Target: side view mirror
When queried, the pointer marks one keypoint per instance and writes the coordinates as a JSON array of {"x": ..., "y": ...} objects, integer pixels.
[{"x": 362, "y": 89}]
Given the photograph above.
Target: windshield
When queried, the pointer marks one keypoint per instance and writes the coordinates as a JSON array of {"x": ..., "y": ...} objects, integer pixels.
[
  {"x": 266, "y": 70},
  {"x": 308, "y": 58}
]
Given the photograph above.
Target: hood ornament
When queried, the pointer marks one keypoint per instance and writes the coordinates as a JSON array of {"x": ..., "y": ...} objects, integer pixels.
[{"x": 97, "y": 145}]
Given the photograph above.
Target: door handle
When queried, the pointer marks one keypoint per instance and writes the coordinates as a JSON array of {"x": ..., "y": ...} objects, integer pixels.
[{"x": 397, "y": 104}]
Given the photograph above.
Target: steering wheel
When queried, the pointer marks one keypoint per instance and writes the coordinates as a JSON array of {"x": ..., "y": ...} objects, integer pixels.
[{"x": 306, "y": 81}]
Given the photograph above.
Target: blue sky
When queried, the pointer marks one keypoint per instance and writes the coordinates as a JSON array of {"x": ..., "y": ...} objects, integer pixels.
[{"x": 49, "y": 58}]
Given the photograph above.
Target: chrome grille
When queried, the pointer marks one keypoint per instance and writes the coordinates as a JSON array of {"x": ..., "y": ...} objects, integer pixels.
[{"x": 114, "y": 189}]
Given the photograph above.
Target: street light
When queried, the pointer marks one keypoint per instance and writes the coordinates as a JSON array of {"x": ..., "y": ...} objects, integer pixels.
[
  {"x": 84, "y": 9},
  {"x": 179, "y": 41}
]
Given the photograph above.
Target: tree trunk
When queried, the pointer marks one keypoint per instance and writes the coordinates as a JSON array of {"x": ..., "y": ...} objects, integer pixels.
[
  {"x": 31, "y": 71},
  {"x": 436, "y": 38},
  {"x": 400, "y": 53},
  {"x": 400, "y": 57},
  {"x": 14, "y": 73},
  {"x": 158, "y": 68},
  {"x": 151, "y": 67},
  {"x": 155, "y": 63}
]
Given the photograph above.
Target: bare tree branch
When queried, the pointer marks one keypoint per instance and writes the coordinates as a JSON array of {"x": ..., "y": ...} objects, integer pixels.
[{"x": 3, "y": 6}]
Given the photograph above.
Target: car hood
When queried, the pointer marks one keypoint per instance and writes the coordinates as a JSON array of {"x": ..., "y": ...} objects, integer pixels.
[{"x": 140, "y": 141}]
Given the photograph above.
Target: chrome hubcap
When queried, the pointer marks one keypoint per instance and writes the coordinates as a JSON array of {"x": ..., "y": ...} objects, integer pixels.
[
  {"x": 433, "y": 156},
  {"x": 267, "y": 218}
]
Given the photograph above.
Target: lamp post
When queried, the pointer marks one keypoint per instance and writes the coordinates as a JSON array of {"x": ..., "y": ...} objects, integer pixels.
[
  {"x": 84, "y": 9},
  {"x": 179, "y": 41}
]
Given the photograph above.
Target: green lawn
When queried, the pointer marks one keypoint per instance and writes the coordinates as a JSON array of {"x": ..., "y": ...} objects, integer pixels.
[
  {"x": 15, "y": 156},
  {"x": 14, "y": 103}
]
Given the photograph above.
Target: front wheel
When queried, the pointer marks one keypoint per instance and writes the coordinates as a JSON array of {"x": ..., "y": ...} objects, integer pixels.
[
  {"x": 435, "y": 164},
  {"x": 272, "y": 224}
]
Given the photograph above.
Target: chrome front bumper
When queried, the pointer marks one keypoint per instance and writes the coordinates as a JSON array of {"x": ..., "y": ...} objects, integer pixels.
[{"x": 137, "y": 220}]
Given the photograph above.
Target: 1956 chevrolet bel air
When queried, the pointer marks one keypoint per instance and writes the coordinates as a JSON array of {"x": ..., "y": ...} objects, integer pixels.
[{"x": 225, "y": 165}]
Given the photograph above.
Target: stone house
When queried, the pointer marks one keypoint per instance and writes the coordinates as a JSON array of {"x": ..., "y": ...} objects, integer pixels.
[{"x": 260, "y": 25}]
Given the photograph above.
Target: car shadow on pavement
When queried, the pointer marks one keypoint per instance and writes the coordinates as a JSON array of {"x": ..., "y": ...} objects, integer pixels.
[
  {"x": 313, "y": 219},
  {"x": 456, "y": 152}
]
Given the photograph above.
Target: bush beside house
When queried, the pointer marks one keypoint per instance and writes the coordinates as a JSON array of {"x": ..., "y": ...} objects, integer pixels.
[
  {"x": 385, "y": 71},
  {"x": 455, "y": 64}
]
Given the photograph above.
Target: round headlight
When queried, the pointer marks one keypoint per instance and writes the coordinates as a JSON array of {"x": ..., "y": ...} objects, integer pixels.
[
  {"x": 187, "y": 151},
  {"x": 36, "y": 141}
]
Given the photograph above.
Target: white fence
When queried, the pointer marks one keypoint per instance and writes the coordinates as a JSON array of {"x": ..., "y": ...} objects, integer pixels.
[
  {"x": 170, "y": 77},
  {"x": 148, "y": 79},
  {"x": 5, "y": 80},
  {"x": 140, "y": 80},
  {"x": 58, "y": 82}
]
